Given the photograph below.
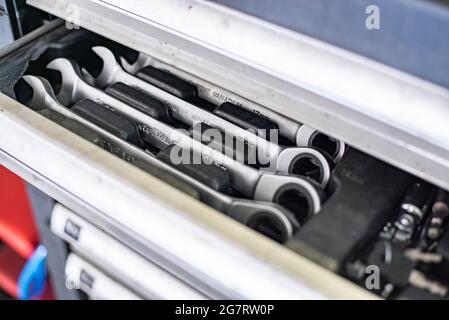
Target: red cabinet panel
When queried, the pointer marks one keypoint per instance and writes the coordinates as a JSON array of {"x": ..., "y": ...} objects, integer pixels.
[{"x": 17, "y": 227}]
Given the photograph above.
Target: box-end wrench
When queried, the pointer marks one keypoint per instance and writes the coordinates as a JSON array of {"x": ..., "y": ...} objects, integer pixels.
[
  {"x": 297, "y": 133},
  {"x": 268, "y": 218},
  {"x": 43, "y": 99},
  {"x": 287, "y": 160},
  {"x": 282, "y": 189}
]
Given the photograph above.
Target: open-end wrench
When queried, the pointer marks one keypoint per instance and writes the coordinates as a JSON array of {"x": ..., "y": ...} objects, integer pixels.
[
  {"x": 297, "y": 133},
  {"x": 283, "y": 189},
  {"x": 287, "y": 160},
  {"x": 261, "y": 216}
]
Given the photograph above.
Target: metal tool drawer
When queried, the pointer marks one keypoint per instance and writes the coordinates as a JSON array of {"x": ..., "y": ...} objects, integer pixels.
[
  {"x": 189, "y": 239},
  {"x": 160, "y": 223}
]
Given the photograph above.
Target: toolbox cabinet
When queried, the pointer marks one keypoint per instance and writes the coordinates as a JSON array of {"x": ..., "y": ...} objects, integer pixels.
[{"x": 294, "y": 76}]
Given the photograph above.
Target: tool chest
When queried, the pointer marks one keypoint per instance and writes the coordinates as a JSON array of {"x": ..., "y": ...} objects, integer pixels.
[{"x": 98, "y": 102}]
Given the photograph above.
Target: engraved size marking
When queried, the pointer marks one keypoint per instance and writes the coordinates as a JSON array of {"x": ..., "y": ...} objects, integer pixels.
[
  {"x": 116, "y": 150},
  {"x": 72, "y": 229},
  {"x": 87, "y": 279}
]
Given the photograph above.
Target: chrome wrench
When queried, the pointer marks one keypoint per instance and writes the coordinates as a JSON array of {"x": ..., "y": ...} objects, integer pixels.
[
  {"x": 251, "y": 213},
  {"x": 250, "y": 182},
  {"x": 297, "y": 133},
  {"x": 287, "y": 160}
]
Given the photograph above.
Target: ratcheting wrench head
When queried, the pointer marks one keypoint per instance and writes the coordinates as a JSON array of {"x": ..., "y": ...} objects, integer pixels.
[
  {"x": 307, "y": 136},
  {"x": 270, "y": 219},
  {"x": 307, "y": 162},
  {"x": 302, "y": 197}
]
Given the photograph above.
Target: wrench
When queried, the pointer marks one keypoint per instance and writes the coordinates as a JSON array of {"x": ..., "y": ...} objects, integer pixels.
[
  {"x": 250, "y": 182},
  {"x": 297, "y": 133},
  {"x": 288, "y": 160},
  {"x": 257, "y": 215}
]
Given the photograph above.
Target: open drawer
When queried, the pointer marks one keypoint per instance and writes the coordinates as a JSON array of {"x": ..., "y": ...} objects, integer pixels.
[
  {"x": 187, "y": 238},
  {"x": 210, "y": 252}
]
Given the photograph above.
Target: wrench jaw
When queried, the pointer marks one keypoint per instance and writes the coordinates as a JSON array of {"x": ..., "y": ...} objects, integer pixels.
[
  {"x": 43, "y": 92},
  {"x": 110, "y": 68},
  {"x": 306, "y": 162},
  {"x": 298, "y": 195},
  {"x": 310, "y": 137},
  {"x": 270, "y": 219},
  {"x": 70, "y": 75},
  {"x": 142, "y": 61}
]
